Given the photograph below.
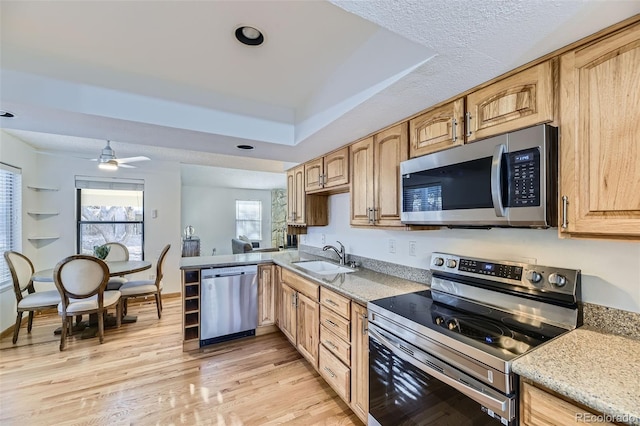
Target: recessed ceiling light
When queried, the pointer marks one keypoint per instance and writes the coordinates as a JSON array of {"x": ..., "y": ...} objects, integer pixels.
[
  {"x": 6, "y": 114},
  {"x": 244, "y": 147},
  {"x": 250, "y": 36}
]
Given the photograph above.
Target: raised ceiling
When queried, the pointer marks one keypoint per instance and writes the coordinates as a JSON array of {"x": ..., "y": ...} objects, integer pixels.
[{"x": 168, "y": 79}]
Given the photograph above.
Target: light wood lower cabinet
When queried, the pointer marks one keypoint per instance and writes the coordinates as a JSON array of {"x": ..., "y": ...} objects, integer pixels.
[
  {"x": 599, "y": 131},
  {"x": 308, "y": 335},
  {"x": 335, "y": 373},
  {"x": 266, "y": 295},
  {"x": 288, "y": 313},
  {"x": 540, "y": 408},
  {"x": 359, "y": 362}
]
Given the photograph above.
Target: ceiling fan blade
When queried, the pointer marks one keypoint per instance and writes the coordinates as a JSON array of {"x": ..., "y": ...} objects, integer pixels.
[
  {"x": 132, "y": 159},
  {"x": 126, "y": 166}
]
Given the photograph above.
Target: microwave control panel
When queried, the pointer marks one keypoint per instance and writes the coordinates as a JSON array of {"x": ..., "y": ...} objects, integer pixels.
[{"x": 523, "y": 176}]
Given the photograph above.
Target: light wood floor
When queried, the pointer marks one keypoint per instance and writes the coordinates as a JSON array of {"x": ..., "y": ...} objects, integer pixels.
[{"x": 140, "y": 376}]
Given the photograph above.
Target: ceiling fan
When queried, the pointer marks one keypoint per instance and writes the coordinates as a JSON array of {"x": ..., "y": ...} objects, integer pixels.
[{"x": 108, "y": 160}]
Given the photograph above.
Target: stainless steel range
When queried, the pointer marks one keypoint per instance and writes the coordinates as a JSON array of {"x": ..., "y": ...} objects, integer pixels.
[{"x": 443, "y": 356}]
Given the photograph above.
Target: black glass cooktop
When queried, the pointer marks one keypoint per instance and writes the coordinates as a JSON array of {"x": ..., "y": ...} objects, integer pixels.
[{"x": 489, "y": 329}]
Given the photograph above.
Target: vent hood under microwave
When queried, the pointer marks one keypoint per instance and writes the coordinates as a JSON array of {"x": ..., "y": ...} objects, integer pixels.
[{"x": 508, "y": 180}]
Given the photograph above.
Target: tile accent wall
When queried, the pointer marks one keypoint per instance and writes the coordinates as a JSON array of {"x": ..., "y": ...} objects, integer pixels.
[{"x": 278, "y": 217}]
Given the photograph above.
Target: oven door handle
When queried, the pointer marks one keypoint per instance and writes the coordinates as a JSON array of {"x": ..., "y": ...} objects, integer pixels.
[
  {"x": 496, "y": 180},
  {"x": 497, "y": 405}
]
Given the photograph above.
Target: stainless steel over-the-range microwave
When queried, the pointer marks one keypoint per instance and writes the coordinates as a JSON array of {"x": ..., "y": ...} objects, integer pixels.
[{"x": 508, "y": 180}]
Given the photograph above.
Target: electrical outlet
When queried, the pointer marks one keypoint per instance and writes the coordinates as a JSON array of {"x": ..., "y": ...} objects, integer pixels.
[
  {"x": 323, "y": 239},
  {"x": 412, "y": 248},
  {"x": 392, "y": 245}
]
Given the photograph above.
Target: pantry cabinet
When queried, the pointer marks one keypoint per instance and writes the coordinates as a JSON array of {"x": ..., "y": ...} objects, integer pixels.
[
  {"x": 375, "y": 177},
  {"x": 330, "y": 171},
  {"x": 599, "y": 134}
]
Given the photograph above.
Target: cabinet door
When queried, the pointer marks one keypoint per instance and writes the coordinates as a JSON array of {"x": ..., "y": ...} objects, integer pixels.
[
  {"x": 437, "y": 129},
  {"x": 362, "y": 182},
  {"x": 298, "y": 179},
  {"x": 519, "y": 101},
  {"x": 308, "y": 328},
  {"x": 390, "y": 148},
  {"x": 539, "y": 408},
  {"x": 359, "y": 362},
  {"x": 313, "y": 174},
  {"x": 277, "y": 286},
  {"x": 336, "y": 168},
  {"x": 288, "y": 320},
  {"x": 600, "y": 149},
  {"x": 291, "y": 195},
  {"x": 266, "y": 295}
]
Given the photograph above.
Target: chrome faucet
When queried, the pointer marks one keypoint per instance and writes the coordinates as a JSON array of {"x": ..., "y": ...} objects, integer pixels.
[{"x": 341, "y": 254}]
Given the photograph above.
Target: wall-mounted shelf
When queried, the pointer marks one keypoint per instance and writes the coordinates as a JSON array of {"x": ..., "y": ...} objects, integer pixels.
[
  {"x": 42, "y": 213},
  {"x": 43, "y": 237},
  {"x": 42, "y": 188}
]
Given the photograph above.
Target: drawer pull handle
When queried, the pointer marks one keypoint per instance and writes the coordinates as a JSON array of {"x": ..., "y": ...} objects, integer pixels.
[
  {"x": 330, "y": 343},
  {"x": 333, "y": 324},
  {"x": 330, "y": 372},
  {"x": 331, "y": 302}
]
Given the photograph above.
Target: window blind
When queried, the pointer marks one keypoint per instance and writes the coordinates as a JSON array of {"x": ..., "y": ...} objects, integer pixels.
[{"x": 10, "y": 216}]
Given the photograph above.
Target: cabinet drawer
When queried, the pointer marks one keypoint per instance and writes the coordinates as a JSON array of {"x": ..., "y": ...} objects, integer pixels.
[
  {"x": 334, "y": 322},
  {"x": 336, "y": 345},
  {"x": 335, "y": 302},
  {"x": 335, "y": 373},
  {"x": 301, "y": 284}
]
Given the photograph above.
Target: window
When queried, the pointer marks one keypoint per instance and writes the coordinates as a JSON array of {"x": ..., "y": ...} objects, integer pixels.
[
  {"x": 10, "y": 216},
  {"x": 110, "y": 210},
  {"x": 249, "y": 219}
]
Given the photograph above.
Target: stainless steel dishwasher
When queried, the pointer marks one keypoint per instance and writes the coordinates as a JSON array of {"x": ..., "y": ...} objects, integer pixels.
[{"x": 228, "y": 303}]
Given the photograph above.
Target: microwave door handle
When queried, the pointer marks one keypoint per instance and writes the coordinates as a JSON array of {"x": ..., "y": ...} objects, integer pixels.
[{"x": 496, "y": 187}]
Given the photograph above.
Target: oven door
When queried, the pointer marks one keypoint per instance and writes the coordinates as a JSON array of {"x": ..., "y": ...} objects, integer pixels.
[{"x": 408, "y": 386}]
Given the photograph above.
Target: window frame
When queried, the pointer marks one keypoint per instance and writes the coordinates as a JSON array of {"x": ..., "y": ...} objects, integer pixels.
[{"x": 14, "y": 212}]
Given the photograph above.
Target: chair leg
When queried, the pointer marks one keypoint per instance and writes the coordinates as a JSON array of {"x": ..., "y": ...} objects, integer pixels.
[
  {"x": 101, "y": 326},
  {"x": 119, "y": 313},
  {"x": 16, "y": 328},
  {"x": 30, "y": 323},
  {"x": 63, "y": 333},
  {"x": 160, "y": 299},
  {"x": 159, "y": 305},
  {"x": 124, "y": 307}
]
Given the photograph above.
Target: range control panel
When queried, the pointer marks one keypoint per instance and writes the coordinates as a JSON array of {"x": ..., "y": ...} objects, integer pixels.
[{"x": 546, "y": 278}]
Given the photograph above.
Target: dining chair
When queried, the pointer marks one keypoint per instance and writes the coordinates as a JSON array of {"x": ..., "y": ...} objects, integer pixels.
[
  {"x": 21, "y": 270},
  {"x": 117, "y": 251},
  {"x": 140, "y": 288},
  {"x": 81, "y": 281}
]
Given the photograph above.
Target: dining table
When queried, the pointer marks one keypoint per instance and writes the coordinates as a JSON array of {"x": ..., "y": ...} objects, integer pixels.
[{"x": 116, "y": 268}]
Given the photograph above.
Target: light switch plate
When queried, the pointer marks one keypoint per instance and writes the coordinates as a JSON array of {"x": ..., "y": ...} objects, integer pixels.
[
  {"x": 392, "y": 245},
  {"x": 412, "y": 248}
]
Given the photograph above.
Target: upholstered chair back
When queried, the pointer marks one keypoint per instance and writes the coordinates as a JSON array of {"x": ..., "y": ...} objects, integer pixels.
[
  {"x": 80, "y": 277},
  {"x": 21, "y": 270},
  {"x": 117, "y": 251}
]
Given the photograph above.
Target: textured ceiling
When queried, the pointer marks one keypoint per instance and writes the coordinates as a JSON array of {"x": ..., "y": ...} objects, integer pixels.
[{"x": 167, "y": 79}]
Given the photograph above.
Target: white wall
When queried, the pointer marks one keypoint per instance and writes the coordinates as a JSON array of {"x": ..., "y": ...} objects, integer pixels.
[
  {"x": 212, "y": 213},
  {"x": 162, "y": 193},
  {"x": 610, "y": 269}
]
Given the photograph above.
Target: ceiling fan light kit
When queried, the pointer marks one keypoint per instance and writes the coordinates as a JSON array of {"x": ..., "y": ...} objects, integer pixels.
[
  {"x": 108, "y": 160},
  {"x": 108, "y": 165}
]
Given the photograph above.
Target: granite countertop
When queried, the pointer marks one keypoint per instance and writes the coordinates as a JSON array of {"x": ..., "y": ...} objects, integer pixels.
[
  {"x": 363, "y": 285},
  {"x": 597, "y": 369}
]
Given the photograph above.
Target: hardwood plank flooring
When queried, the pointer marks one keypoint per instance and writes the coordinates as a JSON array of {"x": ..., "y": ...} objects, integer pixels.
[{"x": 140, "y": 376}]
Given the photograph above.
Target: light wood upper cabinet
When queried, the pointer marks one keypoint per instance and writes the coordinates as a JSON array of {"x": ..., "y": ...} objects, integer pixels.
[
  {"x": 329, "y": 171},
  {"x": 522, "y": 100},
  {"x": 296, "y": 196},
  {"x": 437, "y": 129},
  {"x": 359, "y": 362},
  {"x": 600, "y": 137},
  {"x": 304, "y": 209},
  {"x": 375, "y": 177}
]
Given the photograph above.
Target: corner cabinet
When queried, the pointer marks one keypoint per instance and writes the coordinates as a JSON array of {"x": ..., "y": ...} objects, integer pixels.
[
  {"x": 328, "y": 172},
  {"x": 191, "y": 309},
  {"x": 375, "y": 177},
  {"x": 304, "y": 209},
  {"x": 600, "y": 131}
]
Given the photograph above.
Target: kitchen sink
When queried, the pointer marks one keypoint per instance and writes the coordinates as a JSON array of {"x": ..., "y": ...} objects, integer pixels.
[{"x": 323, "y": 268}]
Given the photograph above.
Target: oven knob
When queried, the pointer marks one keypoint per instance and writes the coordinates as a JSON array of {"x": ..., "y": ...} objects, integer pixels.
[
  {"x": 534, "y": 277},
  {"x": 557, "y": 280},
  {"x": 438, "y": 261},
  {"x": 439, "y": 320},
  {"x": 451, "y": 325},
  {"x": 451, "y": 263}
]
